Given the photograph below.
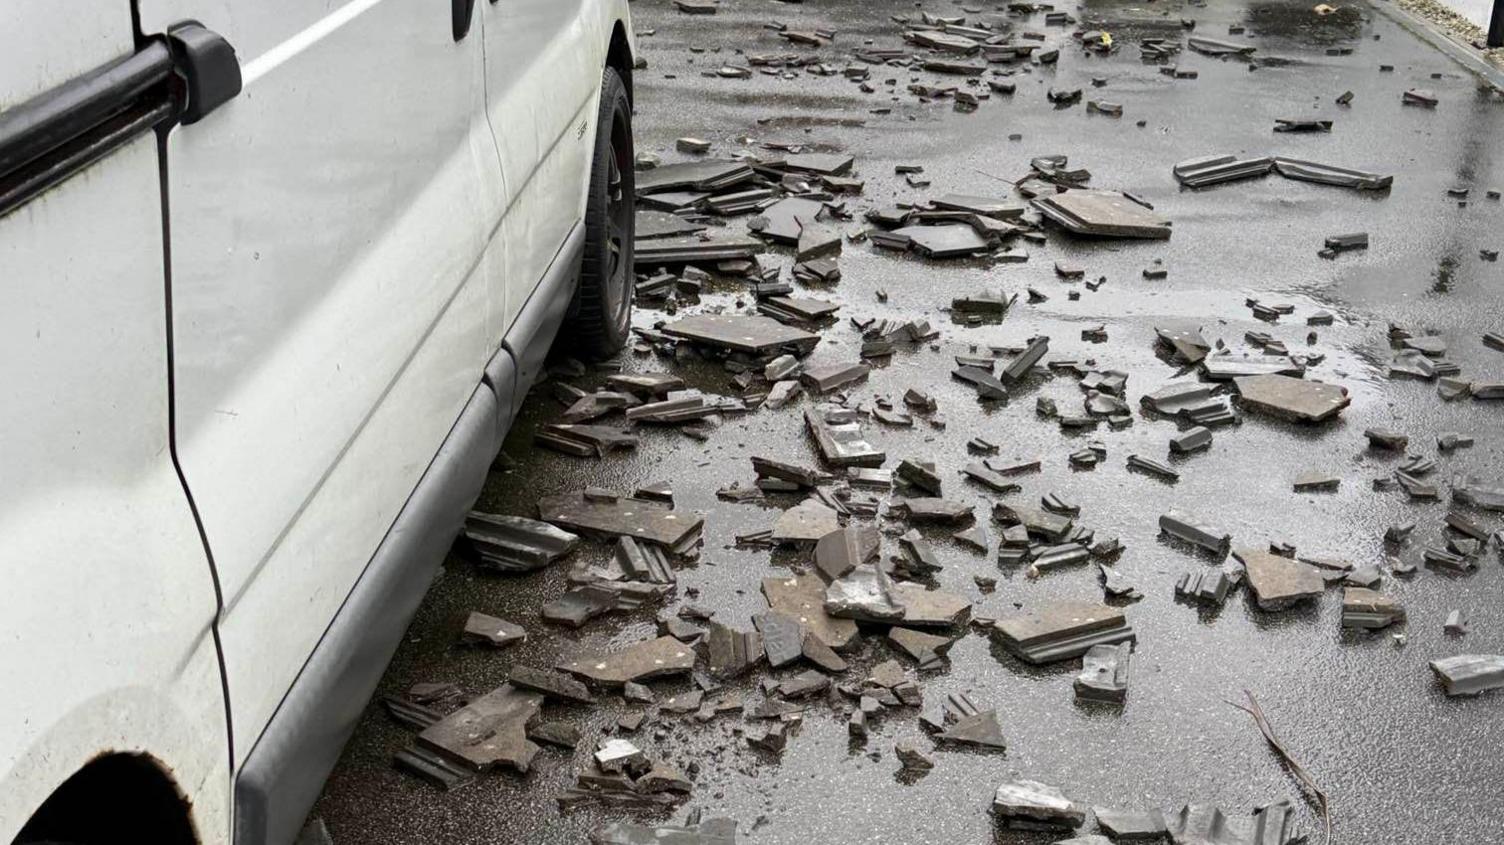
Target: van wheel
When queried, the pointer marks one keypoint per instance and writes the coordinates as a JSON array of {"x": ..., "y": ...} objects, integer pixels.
[{"x": 600, "y": 317}]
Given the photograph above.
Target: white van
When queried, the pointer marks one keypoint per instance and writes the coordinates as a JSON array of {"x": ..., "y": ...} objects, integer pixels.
[{"x": 274, "y": 277}]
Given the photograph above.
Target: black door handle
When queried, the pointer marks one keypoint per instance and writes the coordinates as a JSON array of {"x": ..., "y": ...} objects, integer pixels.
[{"x": 59, "y": 132}]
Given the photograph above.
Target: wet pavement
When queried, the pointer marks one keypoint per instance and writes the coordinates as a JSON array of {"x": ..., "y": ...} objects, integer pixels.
[{"x": 1365, "y": 715}]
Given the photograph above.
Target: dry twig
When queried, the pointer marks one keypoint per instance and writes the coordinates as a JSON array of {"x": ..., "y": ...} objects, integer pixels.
[{"x": 1253, "y": 709}]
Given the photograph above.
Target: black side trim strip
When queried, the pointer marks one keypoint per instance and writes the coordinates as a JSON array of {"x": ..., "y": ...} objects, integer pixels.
[
  {"x": 18, "y": 187},
  {"x": 54, "y": 118}
]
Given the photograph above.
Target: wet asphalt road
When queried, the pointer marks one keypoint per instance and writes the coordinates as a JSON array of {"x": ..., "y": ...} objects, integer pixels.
[{"x": 1401, "y": 762}]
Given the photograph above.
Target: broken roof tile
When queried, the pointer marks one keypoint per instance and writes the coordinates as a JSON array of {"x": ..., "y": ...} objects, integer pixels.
[
  {"x": 1061, "y": 630},
  {"x": 640, "y": 661},
  {"x": 514, "y": 543}
]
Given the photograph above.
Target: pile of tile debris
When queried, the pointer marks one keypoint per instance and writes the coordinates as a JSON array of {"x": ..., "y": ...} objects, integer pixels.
[{"x": 775, "y": 224}]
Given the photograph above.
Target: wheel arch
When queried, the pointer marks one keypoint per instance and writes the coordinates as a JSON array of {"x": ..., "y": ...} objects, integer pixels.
[
  {"x": 115, "y": 797},
  {"x": 619, "y": 56}
]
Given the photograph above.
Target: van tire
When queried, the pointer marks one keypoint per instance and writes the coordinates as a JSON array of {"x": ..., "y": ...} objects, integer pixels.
[{"x": 599, "y": 319}]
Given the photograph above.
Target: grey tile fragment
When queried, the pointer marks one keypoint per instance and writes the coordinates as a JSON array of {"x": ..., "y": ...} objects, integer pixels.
[
  {"x": 1152, "y": 467},
  {"x": 803, "y": 598},
  {"x": 1455, "y": 625},
  {"x": 838, "y": 435},
  {"x": 551, "y": 684},
  {"x": 729, "y": 652},
  {"x": 928, "y": 650},
  {"x": 910, "y": 758},
  {"x": 742, "y": 333},
  {"x": 621, "y": 755},
  {"x": 1102, "y": 214},
  {"x": 1197, "y": 824},
  {"x": 1278, "y": 582},
  {"x": 932, "y": 509},
  {"x": 1365, "y": 608},
  {"x": 806, "y": 522},
  {"x": 977, "y": 730},
  {"x": 516, "y": 544},
  {"x": 581, "y": 604},
  {"x": 642, "y": 520},
  {"x": 1470, "y": 674},
  {"x": 1302, "y": 400},
  {"x": 641, "y": 661},
  {"x": 1104, "y": 673},
  {"x": 1130, "y": 825},
  {"x": 1193, "y": 439},
  {"x": 718, "y": 831},
  {"x": 828, "y": 377},
  {"x": 805, "y": 683},
  {"x": 1033, "y": 805},
  {"x": 1209, "y": 586},
  {"x": 1061, "y": 630},
  {"x": 866, "y": 593},
  {"x": 489, "y": 731},
  {"x": 1185, "y": 527},
  {"x": 482, "y": 629},
  {"x": 782, "y": 638}
]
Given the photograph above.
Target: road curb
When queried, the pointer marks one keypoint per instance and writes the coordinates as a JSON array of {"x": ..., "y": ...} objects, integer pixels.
[{"x": 1442, "y": 40}]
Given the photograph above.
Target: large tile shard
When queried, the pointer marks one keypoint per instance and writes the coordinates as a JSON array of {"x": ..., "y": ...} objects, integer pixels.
[
  {"x": 636, "y": 518},
  {"x": 549, "y": 683},
  {"x": 980, "y": 730},
  {"x": 932, "y": 509},
  {"x": 1470, "y": 674},
  {"x": 924, "y": 608},
  {"x": 1029, "y": 803},
  {"x": 838, "y": 435},
  {"x": 1329, "y": 174},
  {"x": 661, "y": 224},
  {"x": 841, "y": 551},
  {"x": 481, "y": 628},
  {"x": 1002, "y": 209},
  {"x": 951, "y": 240},
  {"x": 928, "y": 650},
  {"x": 802, "y": 597},
  {"x": 1279, "y": 582},
  {"x": 1102, "y": 214},
  {"x": 865, "y": 593},
  {"x": 1229, "y": 367},
  {"x": 1199, "y": 824},
  {"x": 515, "y": 543},
  {"x": 696, "y": 175},
  {"x": 729, "y": 652},
  {"x": 1062, "y": 630},
  {"x": 1129, "y": 825},
  {"x": 1365, "y": 608},
  {"x": 489, "y": 731},
  {"x": 1053, "y": 527},
  {"x": 782, "y": 637},
  {"x": 1215, "y": 169},
  {"x": 1292, "y": 398},
  {"x": 582, "y": 604},
  {"x": 806, "y": 522},
  {"x": 742, "y": 333},
  {"x": 646, "y": 659},
  {"x": 703, "y": 247},
  {"x": 781, "y": 221},
  {"x": 1185, "y": 342}
]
